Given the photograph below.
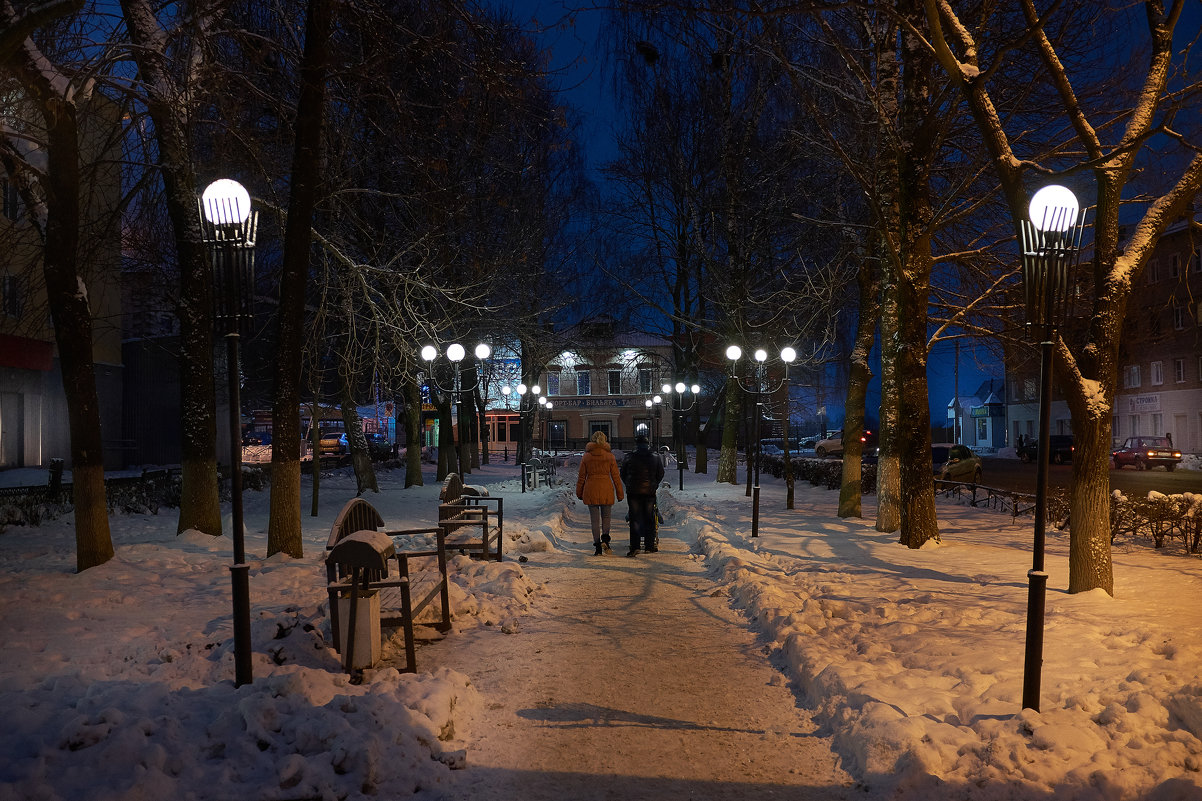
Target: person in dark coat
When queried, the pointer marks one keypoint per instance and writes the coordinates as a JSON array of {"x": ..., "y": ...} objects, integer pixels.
[
  {"x": 596, "y": 485},
  {"x": 641, "y": 473}
]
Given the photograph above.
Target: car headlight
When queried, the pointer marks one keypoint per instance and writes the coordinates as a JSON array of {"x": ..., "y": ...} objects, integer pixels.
[
  {"x": 1151, "y": 453},
  {"x": 1176, "y": 454}
]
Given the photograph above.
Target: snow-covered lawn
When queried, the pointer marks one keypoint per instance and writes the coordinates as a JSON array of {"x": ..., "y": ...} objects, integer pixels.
[{"x": 117, "y": 683}]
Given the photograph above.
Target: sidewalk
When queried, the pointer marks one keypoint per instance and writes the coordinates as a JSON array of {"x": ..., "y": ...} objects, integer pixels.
[{"x": 631, "y": 679}]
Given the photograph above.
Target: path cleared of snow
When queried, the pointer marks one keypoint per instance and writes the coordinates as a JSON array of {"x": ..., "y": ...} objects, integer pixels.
[{"x": 632, "y": 679}]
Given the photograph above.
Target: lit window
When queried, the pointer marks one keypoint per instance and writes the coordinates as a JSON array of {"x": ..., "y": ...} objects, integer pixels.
[
  {"x": 583, "y": 383},
  {"x": 552, "y": 383}
]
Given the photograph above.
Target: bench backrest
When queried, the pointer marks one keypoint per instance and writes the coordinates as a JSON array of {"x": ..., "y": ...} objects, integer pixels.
[
  {"x": 356, "y": 515},
  {"x": 452, "y": 489}
]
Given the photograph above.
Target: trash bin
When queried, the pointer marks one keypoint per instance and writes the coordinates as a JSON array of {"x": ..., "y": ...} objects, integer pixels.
[
  {"x": 351, "y": 567},
  {"x": 56, "y": 477}
]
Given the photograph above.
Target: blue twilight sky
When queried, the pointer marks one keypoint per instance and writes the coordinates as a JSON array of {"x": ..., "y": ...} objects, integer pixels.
[{"x": 579, "y": 72}]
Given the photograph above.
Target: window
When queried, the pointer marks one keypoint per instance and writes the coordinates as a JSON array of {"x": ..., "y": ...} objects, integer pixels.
[
  {"x": 1133, "y": 421},
  {"x": 645, "y": 376},
  {"x": 1179, "y": 316},
  {"x": 1114, "y": 427},
  {"x": 552, "y": 383},
  {"x": 10, "y": 288},
  {"x": 1175, "y": 266},
  {"x": 615, "y": 382},
  {"x": 982, "y": 429},
  {"x": 1157, "y": 424},
  {"x": 1153, "y": 271},
  {"x": 1195, "y": 262},
  {"x": 583, "y": 383},
  {"x": 11, "y": 200},
  {"x": 1179, "y": 370},
  {"x": 1157, "y": 374},
  {"x": 1154, "y": 322},
  {"x": 1029, "y": 388},
  {"x": 1131, "y": 376}
]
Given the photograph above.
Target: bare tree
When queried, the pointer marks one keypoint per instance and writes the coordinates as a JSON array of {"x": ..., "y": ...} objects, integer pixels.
[
  {"x": 1108, "y": 143},
  {"x": 52, "y": 193}
]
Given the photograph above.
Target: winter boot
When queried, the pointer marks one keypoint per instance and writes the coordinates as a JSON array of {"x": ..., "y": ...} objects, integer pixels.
[
  {"x": 597, "y": 552},
  {"x": 605, "y": 543}
]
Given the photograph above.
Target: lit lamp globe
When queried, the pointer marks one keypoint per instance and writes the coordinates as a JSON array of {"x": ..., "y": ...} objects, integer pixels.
[
  {"x": 455, "y": 352},
  {"x": 680, "y": 387},
  {"x": 1053, "y": 208},
  {"x": 429, "y": 353},
  {"x": 483, "y": 351},
  {"x": 788, "y": 355},
  {"x": 734, "y": 353},
  {"x": 225, "y": 202}
]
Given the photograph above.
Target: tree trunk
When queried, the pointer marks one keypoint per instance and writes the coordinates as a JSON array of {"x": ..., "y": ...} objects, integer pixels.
[
  {"x": 918, "y": 520},
  {"x": 728, "y": 459},
  {"x": 365, "y": 474},
  {"x": 167, "y": 105},
  {"x": 413, "y": 432},
  {"x": 1089, "y": 560},
  {"x": 68, "y": 299},
  {"x": 850, "y": 490},
  {"x": 284, "y": 527}
]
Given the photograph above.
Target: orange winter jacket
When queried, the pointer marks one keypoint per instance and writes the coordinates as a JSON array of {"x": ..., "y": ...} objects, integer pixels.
[{"x": 598, "y": 478}]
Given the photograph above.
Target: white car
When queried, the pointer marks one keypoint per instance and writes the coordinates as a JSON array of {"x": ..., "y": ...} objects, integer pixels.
[{"x": 831, "y": 446}]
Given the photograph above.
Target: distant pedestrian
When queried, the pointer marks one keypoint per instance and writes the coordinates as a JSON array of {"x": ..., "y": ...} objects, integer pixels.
[
  {"x": 598, "y": 484},
  {"x": 642, "y": 471}
]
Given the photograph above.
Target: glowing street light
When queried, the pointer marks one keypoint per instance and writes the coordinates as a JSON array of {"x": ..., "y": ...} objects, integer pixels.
[{"x": 1051, "y": 240}]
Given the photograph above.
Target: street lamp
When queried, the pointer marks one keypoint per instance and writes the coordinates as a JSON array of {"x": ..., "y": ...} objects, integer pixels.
[
  {"x": 653, "y": 406},
  {"x": 229, "y": 232},
  {"x": 524, "y": 411},
  {"x": 547, "y": 406},
  {"x": 1051, "y": 240},
  {"x": 756, "y": 381},
  {"x": 678, "y": 409},
  {"x": 455, "y": 354}
]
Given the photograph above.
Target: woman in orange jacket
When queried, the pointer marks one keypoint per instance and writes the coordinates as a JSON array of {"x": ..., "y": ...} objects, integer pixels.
[{"x": 599, "y": 485}]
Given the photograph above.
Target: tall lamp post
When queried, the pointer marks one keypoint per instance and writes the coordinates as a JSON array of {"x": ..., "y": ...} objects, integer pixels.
[
  {"x": 678, "y": 409},
  {"x": 653, "y": 405},
  {"x": 547, "y": 406},
  {"x": 756, "y": 382},
  {"x": 457, "y": 387},
  {"x": 1051, "y": 240},
  {"x": 524, "y": 411},
  {"x": 229, "y": 232}
]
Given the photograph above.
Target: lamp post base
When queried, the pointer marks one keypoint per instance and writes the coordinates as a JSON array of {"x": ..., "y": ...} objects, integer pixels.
[
  {"x": 1033, "y": 661},
  {"x": 240, "y": 584}
]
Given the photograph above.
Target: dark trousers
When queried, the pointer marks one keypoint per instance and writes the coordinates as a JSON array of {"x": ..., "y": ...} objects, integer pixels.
[{"x": 642, "y": 520}]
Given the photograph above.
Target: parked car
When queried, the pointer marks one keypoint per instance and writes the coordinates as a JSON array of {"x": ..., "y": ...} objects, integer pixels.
[
  {"x": 1146, "y": 453},
  {"x": 378, "y": 447},
  {"x": 833, "y": 445},
  {"x": 333, "y": 443},
  {"x": 961, "y": 465},
  {"x": 1060, "y": 449},
  {"x": 768, "y": 449}
]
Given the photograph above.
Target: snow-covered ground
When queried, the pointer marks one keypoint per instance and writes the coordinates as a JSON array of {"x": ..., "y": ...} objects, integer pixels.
[{"x": 117, "y": 683}]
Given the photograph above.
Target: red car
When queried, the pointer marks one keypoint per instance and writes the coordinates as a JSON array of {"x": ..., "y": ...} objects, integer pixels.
[{"x": 1146, "y": 453}]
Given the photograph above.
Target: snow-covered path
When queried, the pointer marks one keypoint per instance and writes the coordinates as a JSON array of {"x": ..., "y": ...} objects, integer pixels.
[{"x": 632, "y": 679}]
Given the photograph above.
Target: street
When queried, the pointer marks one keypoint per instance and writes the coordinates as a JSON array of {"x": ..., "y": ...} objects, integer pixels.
[{"x": 1015, "y": 475}]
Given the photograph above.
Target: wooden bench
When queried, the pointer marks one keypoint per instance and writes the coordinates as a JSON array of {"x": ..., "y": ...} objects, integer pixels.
[
  {"x": 396, "y": 605},
  {"x": 462, "y": 509}
]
